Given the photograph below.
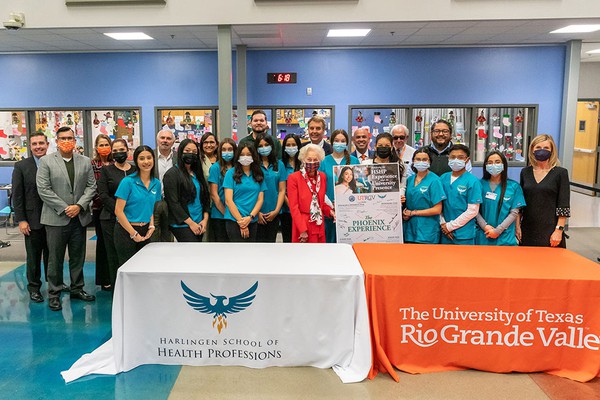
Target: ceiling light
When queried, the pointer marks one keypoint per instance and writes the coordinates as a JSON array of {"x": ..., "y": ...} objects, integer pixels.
[
  {"x": 129, "y": 36},
  {"x": 597, "y": 51},
  {"x": 348, "y": 32},
  {"x": 578, "y": 29}
]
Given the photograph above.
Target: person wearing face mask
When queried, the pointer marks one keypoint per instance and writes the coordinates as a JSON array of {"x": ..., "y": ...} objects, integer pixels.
[
  {"x": 306, "y": 195},
  {"x": 385, "y": 153},
  {"x": 275, "y": 178},
  {"x": 260, "y": 126},
  {"x": 547, "y": 190},
  {"x": 244, "y": 187},
  {"x": 463, "y": 197},
  {"x": 291, "y": 144},
  {"x": 186, "y": 194},
  {"x": 110, "y": 178},
  {"x": 424, "y": 196},
  {"x": 225, "y": 153},
  {"x": 339, "y": 156},
  {"x": 502, "y": 199}
]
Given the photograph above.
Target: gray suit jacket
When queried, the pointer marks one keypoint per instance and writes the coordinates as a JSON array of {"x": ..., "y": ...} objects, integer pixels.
[{"x": 55, "y": 189}]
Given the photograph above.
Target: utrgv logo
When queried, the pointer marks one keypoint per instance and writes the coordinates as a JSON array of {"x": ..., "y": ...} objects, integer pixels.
[
  {"x": 219, "y": 310},
  {"x": 366, "y": 197},
  {"x": 461, "y": 189},
  {"x": 424, "y": 189}
]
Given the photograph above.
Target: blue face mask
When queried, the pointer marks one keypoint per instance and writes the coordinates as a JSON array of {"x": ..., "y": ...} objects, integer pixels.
[
  {"x": 421, "y": 165},
  {"x": 227, "y": 155},
  {"x": 542, "y": 154},
  {"x": 494, "y": 169},
  {"x": 292, "y": 150},
  {"x": 339, "y": 147},
  {"x": 265, "y": 151},
  {"x": 456, "y": 164}
]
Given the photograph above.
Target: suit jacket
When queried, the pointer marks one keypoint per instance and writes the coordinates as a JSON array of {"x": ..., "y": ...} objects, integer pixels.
[
  {"x": 156, "y": 153},
  {"x": 54, "y": 188},
  {"x": 326, "y": 147},
  {"x": 26, "y": 201},
  {"x": 370, "y": 153}
]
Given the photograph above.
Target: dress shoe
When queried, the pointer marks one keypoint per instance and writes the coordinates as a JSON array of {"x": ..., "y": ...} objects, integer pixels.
[
  {"x": 65, "y": 288},
  {"x": 54, "y": 304},
  {"x": 82, "y": 296},
  {"x": 36, "y": 297}
]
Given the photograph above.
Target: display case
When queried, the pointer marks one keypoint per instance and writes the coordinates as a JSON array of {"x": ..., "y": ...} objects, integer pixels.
[
  {"x": 186, "y": 123},
  {"x": 13, "y": 135},
  {"x": 377, "y": 119},
  {"x": 117, "y": 123},
  {"x": 294, "y": 119},
  {"x": 48, "y": 121}
]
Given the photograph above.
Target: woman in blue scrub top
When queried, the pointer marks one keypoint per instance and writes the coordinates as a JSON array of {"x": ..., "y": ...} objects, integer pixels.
[
  {"x": 463, "y": 197},
  {"x": 275, "y": 178},
  {"x": 289, "y": 157},
  {"x": 186, "y": 194},
  {"x": 339, "y": 156},
  {"x": 134, "y": 206},
  {"x": 225, "y": 153},
  {"x": 424, "y": 196},
  {"x": 244, "y": 187},
  {"x": 502, "y": 199}
]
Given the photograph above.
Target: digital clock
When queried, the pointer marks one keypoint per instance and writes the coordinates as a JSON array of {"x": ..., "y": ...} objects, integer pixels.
[{"x": 282, "y": 77}]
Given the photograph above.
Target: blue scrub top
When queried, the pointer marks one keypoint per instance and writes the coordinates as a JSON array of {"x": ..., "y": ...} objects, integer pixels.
[
  {"x": 289, "y": 170},
  {"x": 214, "y": 176},
  {"x": 513, "y": 198},
  {"x": 139, "y": 200},
  {"x": 425, "y": 195},
  {"x": 245, "y": 193},
  {"x": 195, "y": 207},
  {"x": 327, "y": 167},
  {"x": 272, "y": 180},
  {"x": 465, "y": 190}
]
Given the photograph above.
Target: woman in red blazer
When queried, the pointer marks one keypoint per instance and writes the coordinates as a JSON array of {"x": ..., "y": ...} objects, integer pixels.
[{"x": 306, "y": 197}]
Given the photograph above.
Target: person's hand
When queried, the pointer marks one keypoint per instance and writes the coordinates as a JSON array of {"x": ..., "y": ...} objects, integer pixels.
[
  {"x": 491, "y": 234},
  {"x": 406, "y": 214},
  {"x": 446, "y": 232},
  {"x": 262, "y": 218},
  {"x": 518, "y": 233},
  {"x": 24, "y": 228},
  {"x": 72, "y": 211},
  {"x": 245, "y": 232},
  {"x": 151, "y": 230},
  {"x": 196, "y": 228},
  {"x": 403, "y": 199},
  {"x": 333, "y": 215},
  {"x": 203, "y": 224},
  {"x": 244, "y": 222},
  {"x": 270, "y": 216},
  {"x": 138, "y": 238},
  {"x": 556, "y": 238},
  {"x": 303, "y": 237}
]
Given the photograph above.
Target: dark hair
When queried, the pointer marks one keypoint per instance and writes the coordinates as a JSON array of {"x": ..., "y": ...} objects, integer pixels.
[
  {"x": 285, "y": 157},
  {"x": 37, "y": 133},
  {"x": 345, "y": 134},
  {"x": 272, "y": 158},
  {"x": 119, "y": 140},
  {"x": 503, "y": 176},
  {"x": 255, "y": 168},
  {"x": 442, "y": 121},
  {"x": 98, "y": 138},
  {"x": 189, "y": 190},
  {"x": 258, "y": 112},
  {"x": 202, "y": 139},
  {"x": 420, "y": 150},
  {"x": 352, "y": 184},
  {"x": 64, "y": 129},
  {"x": 137, "y": 152},
  {"x": 460, "y": 147},
  {"x": 393, "y": 154},
  {"x": 223, "y": 163}
]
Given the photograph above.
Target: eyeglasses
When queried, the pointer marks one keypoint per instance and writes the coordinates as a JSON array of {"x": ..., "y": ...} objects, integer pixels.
[
  {"x": 66, "y": 139},
  {"x": 399, "y": 137},
  {"x": 444, "y": 131}
]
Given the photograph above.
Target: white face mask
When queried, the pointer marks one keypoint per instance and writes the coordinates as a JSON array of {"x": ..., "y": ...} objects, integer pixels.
[{"x": 245, "y": 160}]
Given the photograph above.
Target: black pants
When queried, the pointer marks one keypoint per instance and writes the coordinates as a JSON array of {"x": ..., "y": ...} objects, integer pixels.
[
  {"x": 185, "y": 235},
  {"x": 234, "y": 234},
  {"x": 108, "y": 231},
  {"x": 71, "y": 236},
  {"x": 124, "y": 244},
  {"x": 286, "y": 227},
  {"x": 268, "y": 233},
  {"x": 102, "y": 273},
  {"x": 37, "y": 249},
  {"x": 217, "y": 226}
]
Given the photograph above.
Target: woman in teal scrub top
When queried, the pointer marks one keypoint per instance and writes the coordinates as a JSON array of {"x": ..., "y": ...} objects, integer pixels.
[
  {"x": 289, "y": 157},
  {"x": 216, "y": 175},
  {"x": 424, "y": 196},
  {"x": 502, "y": 199}
]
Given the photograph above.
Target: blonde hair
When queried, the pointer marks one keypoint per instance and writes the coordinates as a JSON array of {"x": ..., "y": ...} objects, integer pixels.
[{"x": 553, "y": 160}]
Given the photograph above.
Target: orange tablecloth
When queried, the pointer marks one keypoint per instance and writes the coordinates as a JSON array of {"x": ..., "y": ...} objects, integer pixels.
[{"x": 498, "y": 309}]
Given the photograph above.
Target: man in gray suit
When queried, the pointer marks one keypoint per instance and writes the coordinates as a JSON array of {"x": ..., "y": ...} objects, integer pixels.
[{"x": 66, "y": 185}]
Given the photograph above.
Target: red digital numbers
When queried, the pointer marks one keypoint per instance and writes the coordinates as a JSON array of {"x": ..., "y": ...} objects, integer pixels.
[{"x": 281, "y": 77}]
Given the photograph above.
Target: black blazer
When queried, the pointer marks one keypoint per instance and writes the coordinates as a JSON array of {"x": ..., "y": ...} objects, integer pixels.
[
  {"x": 177, "y": 199},
  {"x": 25, "y": 198},
  {"x": 108, "y": 183},
  {"x": 326, "y": 147}
]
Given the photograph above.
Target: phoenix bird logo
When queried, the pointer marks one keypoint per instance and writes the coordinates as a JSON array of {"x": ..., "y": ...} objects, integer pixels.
[{"x": 219, "y": 310}]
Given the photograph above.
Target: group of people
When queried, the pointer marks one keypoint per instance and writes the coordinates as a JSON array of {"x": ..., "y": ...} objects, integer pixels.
[{"x": 226, "y": 192}]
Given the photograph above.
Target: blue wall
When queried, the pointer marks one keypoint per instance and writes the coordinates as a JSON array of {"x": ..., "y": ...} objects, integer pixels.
[{"x": 532, "y": 75}]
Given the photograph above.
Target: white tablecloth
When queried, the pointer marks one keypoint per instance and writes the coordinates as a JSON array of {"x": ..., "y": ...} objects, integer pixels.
[{"x": 296, "y": 305}]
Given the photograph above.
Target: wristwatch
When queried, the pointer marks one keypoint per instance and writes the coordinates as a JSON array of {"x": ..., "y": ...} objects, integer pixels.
[
  {"x": 560, "y": 228},
  {"x": 251, "y": 216}
]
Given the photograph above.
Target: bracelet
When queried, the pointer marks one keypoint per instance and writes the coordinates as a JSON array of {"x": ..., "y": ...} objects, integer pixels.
[
  {"x": 134, "y": 235},
  {"x": 151, "y": 227}
]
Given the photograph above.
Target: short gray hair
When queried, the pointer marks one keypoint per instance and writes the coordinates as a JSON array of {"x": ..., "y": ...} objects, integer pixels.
[
  {"x": 399, "y": 126},
  {"x": 311, "y": 147},
  {"x": 165, "y": 130}
]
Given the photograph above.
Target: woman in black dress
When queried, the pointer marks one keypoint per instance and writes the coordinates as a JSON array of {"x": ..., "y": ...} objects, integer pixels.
[{"x": 547, "y": 194}]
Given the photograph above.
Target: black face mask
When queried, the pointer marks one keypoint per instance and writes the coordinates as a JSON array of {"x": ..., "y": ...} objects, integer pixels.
[
  {"x": 189, "y": 158},
  {"x": 120, "y": 157},
  {"x": 383, "y": 152}
]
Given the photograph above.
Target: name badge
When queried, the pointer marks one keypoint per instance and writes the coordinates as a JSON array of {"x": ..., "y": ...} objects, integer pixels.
[{"x": 491, "y": 196}]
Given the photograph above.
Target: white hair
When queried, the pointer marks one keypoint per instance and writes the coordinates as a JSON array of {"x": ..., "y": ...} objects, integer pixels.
[
  {"x": 311, "y": 147},
  {"x": 399, "y": 126},
  {"x": 165, "y": 130}
]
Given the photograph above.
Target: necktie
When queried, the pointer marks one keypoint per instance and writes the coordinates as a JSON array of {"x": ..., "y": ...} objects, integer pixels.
[{"x": 363, "y": 157}]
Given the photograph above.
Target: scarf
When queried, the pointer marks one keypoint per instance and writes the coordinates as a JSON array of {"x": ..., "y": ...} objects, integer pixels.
[{"x": 315, "y": 210}]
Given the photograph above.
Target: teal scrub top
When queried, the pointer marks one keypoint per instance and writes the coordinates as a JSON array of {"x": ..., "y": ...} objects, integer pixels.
[
  {"x": 426, "y": 194},
  {"x": 139, "y": 200},
  {"x": 195, "y": 207},
  {"x": 289, "y": 170},
  {"x": 327, "y": 167},
  {"x": 513, "y": 198},
  {"x": 465, "y": 190},
  {"x": 272, "y": 180},
  {"x": 214, "y": 176},
  {"x": 245, "y": 193}
]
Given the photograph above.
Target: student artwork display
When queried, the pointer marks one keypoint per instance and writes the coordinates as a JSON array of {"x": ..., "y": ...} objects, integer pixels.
[
  {"x": 186, "y": 123},
  {"x": 502, "y": 129},
  {"x": 13, "y": 135},
  {"x": 367, "y": 203},
  {"x": 377, "y": 120},
  {"x": 236, "y": 135},
  {"x": 118, "y": 124},
  {"x": 48, "y": 122},
  {"x": 295, "y": 120}
]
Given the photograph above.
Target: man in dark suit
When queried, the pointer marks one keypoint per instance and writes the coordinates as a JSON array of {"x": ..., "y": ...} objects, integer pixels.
[
  {"x": 164, "y": 159},
  {"x": 28, "y": 209},
  {"x": 66, "y": 185},
  {"x": 316, "y": 131},
  {"x": 361, "y": 138}
]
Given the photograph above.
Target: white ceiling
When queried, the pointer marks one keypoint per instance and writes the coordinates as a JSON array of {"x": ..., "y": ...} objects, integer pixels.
[{"x": 289, "y": 36}]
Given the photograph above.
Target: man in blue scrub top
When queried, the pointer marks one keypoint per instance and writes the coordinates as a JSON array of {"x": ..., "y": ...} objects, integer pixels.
[{"x": 463, "y": 197}]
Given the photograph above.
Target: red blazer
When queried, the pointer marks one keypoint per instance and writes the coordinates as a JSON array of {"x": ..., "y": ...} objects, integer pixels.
[{"x": 299, "y": 198}]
